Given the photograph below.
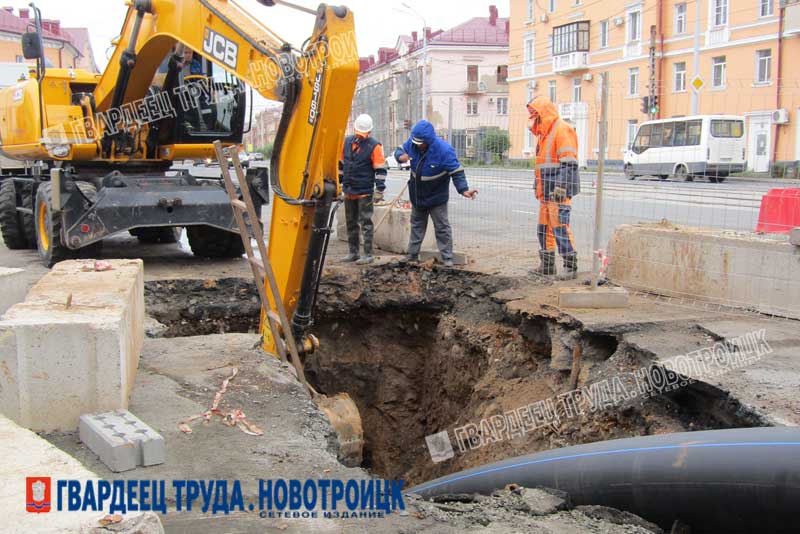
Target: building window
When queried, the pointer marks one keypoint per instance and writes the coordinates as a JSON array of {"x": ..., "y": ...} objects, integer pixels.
[
  {"x": 472, "y": 73},
  {"x": 551, "y": 90},
  {"x": 502, "y": 74},
  {"x": 530, "y": 9},
  {"x": 763, "y": 66},
  {"x": 529, "y": 53},
  {"x": 576, "y": 89},
  {"x": 604, "y": 33},
  {"x": 766, "y": 8},
  {"x": 20, "y": 59},
  {"x": 551, "y": 6},
  {"x": 679, "y": 70},
  {"x": 634, "y": 26},
  {"x": 718, "y": 74},
  {"x": 680, "y": 18},
  {"x": 719, "y": 12},
  {"x": 633, "y": 81},
  {"x": 502, "y": 106},
  {"x": 630, "y": 133},
  {"x": 472, "y": 106},
  {"x": 571, "y": 38}
]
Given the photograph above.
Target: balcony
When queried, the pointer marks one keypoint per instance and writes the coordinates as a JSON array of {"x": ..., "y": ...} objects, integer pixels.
[
  {"x": 571, "y": 62},
  {"x": 718, "y": 35},
  {"x": 632, "y": 49},
  {"x": 573, "y": 110},
  {"x": 571, "y": 47},
  {"x": 475, "y": 88}
]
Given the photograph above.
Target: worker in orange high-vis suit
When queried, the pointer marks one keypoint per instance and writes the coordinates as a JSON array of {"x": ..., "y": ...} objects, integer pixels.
[{"x": 557, "y": 181}]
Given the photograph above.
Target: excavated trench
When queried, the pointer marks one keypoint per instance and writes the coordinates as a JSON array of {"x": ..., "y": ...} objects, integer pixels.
[{"x": 422, "y": 351}]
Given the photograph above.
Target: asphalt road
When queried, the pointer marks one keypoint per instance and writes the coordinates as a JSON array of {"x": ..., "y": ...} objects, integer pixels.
[{"x": 505, "y": 212}]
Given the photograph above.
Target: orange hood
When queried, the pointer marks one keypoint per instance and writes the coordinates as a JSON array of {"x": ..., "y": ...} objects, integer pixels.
[{"x": 542, "y": 106}]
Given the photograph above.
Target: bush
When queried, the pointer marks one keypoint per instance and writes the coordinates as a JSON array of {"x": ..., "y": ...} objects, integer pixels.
[
  {"x": 495, "y": 142},
  {"x": 266, "y": 151}
]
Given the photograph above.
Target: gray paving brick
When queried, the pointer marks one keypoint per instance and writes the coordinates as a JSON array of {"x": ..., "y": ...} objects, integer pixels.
[{"x": 122, "y": 440}]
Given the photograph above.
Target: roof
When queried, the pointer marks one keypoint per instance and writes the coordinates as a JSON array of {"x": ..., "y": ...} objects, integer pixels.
[
  {"x": 476, "y": 31},
  {"x": 10, "y": 22}
]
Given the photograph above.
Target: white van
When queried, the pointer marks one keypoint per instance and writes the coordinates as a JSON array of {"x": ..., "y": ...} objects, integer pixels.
[{"x": 685, "y": 147}]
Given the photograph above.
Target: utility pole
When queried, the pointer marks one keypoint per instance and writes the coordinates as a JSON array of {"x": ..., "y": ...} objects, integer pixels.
[
  {"x": 424, "y": 60},
  {"x": 601, "y": 161},
  {"x": 424, "y": 71},
  {"x": 653, "y": 111},
  {"x": 450, "y": 121},
  {"x": 695, "y": 94}
]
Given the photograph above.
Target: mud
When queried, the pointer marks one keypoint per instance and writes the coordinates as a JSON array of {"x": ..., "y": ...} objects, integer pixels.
[{"x": 425, "y": 349}]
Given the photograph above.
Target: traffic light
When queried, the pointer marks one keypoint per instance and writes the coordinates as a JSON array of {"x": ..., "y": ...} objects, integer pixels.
[
  {"x": 646, "y": 105},
  {"x": 654, "y": 105}
]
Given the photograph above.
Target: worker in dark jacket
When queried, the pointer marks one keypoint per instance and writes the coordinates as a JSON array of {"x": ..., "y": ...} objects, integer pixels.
[
  {"x": 363, "y": 171},
  {"x": 433, "y": 164}
]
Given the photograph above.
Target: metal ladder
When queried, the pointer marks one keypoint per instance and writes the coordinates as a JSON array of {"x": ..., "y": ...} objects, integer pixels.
[{"x": 262, "y": 268}]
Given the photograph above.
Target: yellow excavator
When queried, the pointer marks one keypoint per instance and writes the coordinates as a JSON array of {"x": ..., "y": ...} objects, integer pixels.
[{"x": 99, "y": 145}]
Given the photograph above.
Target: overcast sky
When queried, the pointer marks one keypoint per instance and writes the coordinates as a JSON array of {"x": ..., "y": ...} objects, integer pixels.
[{"x": 378, "y": 22}]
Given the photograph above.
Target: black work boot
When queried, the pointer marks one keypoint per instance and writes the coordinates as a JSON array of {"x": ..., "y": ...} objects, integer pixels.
[
  {"x": 570, "y": 267},
  {"x": 548, "y": 265},
  {"x": 353, "y": 256}
]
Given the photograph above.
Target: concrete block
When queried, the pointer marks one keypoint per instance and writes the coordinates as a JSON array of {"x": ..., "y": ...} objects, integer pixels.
[
  {"x": 24, "y": 454},
  {"x": 393, "y": 234},
  {"x": 794, "y": 237},
  {"x": 459, "y": 258},
  {"x": 12, "y": 288},
  {"x": 122, "y": 440},
  {"x": 726, "y": 268},
  {"x": 586, "y": 297},
  {"x": 73, "y": 346}
]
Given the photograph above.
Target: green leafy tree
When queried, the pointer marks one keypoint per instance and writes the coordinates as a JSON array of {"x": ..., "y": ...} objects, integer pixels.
[{"x": 495, "y": 142}]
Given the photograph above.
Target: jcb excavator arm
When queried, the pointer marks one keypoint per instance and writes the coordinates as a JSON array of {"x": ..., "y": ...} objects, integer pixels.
[{"x": 316, "y": 86}]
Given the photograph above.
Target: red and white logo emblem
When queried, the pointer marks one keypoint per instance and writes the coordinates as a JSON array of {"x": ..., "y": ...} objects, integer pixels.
[{"x": 37, "y": 494}]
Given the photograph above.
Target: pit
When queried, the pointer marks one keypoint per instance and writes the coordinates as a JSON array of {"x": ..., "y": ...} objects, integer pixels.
[{"x": 421, "y": 350}]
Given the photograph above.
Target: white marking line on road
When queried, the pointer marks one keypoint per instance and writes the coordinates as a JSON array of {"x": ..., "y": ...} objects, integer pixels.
[{"x": 525, "y": 212}]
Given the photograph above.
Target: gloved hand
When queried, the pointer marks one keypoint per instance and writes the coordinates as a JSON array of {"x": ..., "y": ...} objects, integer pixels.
[
  {"x": 559, "y": 194},
  {"x": 377, "y": 197}
]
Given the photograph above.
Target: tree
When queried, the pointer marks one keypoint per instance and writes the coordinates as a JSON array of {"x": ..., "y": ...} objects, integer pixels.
[{"x": 495, "y": 142}]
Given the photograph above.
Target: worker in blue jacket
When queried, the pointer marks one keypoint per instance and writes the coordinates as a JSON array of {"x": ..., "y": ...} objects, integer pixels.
[{"x": 433, "y": 164}]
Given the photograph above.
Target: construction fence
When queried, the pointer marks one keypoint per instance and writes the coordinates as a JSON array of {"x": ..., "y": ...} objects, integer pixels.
[{"x": 693, "y": 207}]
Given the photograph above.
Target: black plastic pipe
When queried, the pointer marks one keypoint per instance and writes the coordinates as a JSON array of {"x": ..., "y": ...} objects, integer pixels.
[{"x": 740, "y": 480}]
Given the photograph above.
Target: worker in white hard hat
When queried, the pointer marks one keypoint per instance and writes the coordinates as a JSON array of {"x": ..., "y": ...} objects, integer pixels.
[{"x": 363, "y": 171}]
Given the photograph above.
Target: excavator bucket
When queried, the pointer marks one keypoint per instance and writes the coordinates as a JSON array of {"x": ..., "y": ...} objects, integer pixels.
[{"x": 345, "y": 419}]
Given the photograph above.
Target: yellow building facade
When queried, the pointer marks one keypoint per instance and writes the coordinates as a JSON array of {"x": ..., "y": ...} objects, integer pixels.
[{"x": 739, "y": 57}]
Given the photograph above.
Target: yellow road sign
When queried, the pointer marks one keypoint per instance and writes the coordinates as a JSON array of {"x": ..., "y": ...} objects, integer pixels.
[{"x": 698, "y": 83}]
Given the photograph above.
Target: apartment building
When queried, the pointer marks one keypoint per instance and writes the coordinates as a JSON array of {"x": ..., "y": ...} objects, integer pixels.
[
  {"x": 263, "y": 129},
  {"x": 730, "y": 56},
  {"x": 64, "y": 47},
  {"x": 466, "y": 89}
]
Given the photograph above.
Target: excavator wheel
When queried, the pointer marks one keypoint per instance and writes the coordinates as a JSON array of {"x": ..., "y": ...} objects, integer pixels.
[
  {"x": 48, "y": 229},
  {"x": 28, "y": 224},
  {"x": 161, "y": 234},
  {"x": 11, "y": 224},
  {"x": 210, "y": 242}
]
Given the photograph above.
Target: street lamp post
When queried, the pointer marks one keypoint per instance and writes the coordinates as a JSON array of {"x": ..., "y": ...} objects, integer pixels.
[{"x": 424, "y": 60}]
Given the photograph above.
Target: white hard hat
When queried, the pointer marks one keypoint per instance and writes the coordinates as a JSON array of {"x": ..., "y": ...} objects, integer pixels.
[{"x": 363, "y": 123}]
